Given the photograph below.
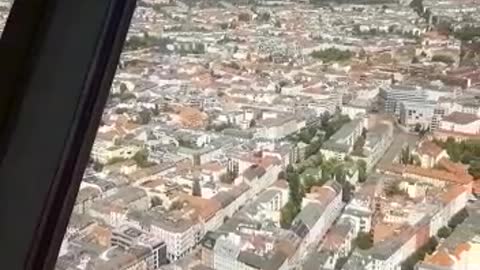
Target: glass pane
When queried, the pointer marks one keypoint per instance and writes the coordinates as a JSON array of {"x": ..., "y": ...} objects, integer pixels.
[
  {"x": 275, "y": 134},
  {"x": 5, "y": 6}
]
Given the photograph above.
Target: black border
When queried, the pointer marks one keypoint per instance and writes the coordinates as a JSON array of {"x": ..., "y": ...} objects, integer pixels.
[{"x": 58, "y": 59}]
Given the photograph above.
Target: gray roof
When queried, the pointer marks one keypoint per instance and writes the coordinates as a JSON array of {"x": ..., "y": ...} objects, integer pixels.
[
  {"x": 201, "y": 267},
  {"x": 160, "y": 219},
  {"x": 315, "y": 261},
  {"x": 80, "y": 221},
  {"x": 254, "y": 172},
  {"x": 337, "y": 147},
  {"x": 345, "y": 130},
  {"x": 465, "y": 231},
  {"x": 300, "y": 228},
  {"x": 310, "y": 214},
  {"x": 103, "y": 184},
  {"x": 227, "y": 197},
  {"x": 357, "y": 212},
  {"x": 224, "y": 198},
  {"x": 127, "y": 195},
  {"x": 356, "y": 262},
  {"x": 251, "y": 259},
  {"x": 267, "y": 196},
  {"x": 275, "y": 261},
  {"x": 210, "y": 239}
]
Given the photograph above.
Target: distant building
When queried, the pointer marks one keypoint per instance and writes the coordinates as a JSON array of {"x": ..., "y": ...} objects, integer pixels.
[
  {"x": 321, "y": 209},
  {"x": 127, "y": 237},
  {"x": 460, "y": 126},
  {"x": 430, "y": 154},
  {"x": 414, "y": 105},
  {"x": 460, "y": 250},
  {"x": 278, "y": 127},
  {"x": 180, "y": 234},
  {"x": 416, "y": 114}
]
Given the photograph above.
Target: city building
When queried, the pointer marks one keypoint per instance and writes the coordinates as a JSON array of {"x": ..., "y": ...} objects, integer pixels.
[{"x": 341, "y": 143}]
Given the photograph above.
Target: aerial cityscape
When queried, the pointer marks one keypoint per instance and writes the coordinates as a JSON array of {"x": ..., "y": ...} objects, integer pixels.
[{"x": 287, "y": 134}]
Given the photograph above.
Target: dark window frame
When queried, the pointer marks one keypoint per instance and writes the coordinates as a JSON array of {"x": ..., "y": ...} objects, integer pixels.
[{"x": 58, "y": 62}]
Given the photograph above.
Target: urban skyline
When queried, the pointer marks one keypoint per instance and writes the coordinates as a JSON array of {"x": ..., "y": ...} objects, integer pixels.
[{"x": 287, "y": 134}]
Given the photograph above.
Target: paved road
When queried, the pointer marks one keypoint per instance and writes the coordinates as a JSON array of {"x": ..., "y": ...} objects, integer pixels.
[{"x": 400, "y": 139}]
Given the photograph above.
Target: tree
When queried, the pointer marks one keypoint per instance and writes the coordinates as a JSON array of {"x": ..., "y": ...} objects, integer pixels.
[
  {"x": 417, "y": 6},
  {"x": 317, "y": 159},
  {"x": 228, "y": 177},
  {"x": 127, "y": 96},
  {"x": 347, "y": 191},
  {"x": 123, "y": 88},
  {"x": 328, "y": 169},
  {"x": 295, "y": 194},
  {"x": 332, "y": 55},
  {"x": 265, "y": 17},
  {"x": 155, "y": 201},
  {"x": 244, "y": 17},
  {"x": 252, "y": 123},
  {"x": 474, "y": 169},
  {"x": 145, "y": 117},
  {"x": 358, "y": 146},
  {"x": 306, "y": 136},
  {"x": 364, "y": 241},
  {"x": 419, "y": 254},
  {"x": 394, "y": 189},
  {"x": 418, "y": 127},
  {"x": 453, "y": 149},
  {"x": 196, "y": 188},
  {"x": 340, "y": 175},
  {"x": 287, "y": 214},
  {"x": 141, "y": 158},
  {"x": 423, "y": 131},
  {"x": 324, "y": 118},
  {"x": 308, "y": 183},
  {"x": 405, "y": 156},
  {"x": 97, "y": 166},
  {"x": 458, "y": 218},
  {"x": 443, "y": 59},
  {"x": 121, "y": 110},
  {"x": 313, "y": 148},
  {"x": 362, "y": 170},
  {"x": 468, "y": 33},
  {"x": 176, "y": 205},
  {"x": 156, "y": 110},
  {"x": 444, "y": 232}
]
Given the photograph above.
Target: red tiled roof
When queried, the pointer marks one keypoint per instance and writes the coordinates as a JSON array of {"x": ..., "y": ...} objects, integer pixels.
[
  {"x": 438, "y": 175},
  {"x": 461, "y": 248},
  {"x": 440, "y": 258},
  {"x": 205, "y": 208},
  {"x": 452, "y": 193},
  {"x": 453, "y": 167},
  {"x": 213, "y": 166},
  {"x": 429, "y": 148}
]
